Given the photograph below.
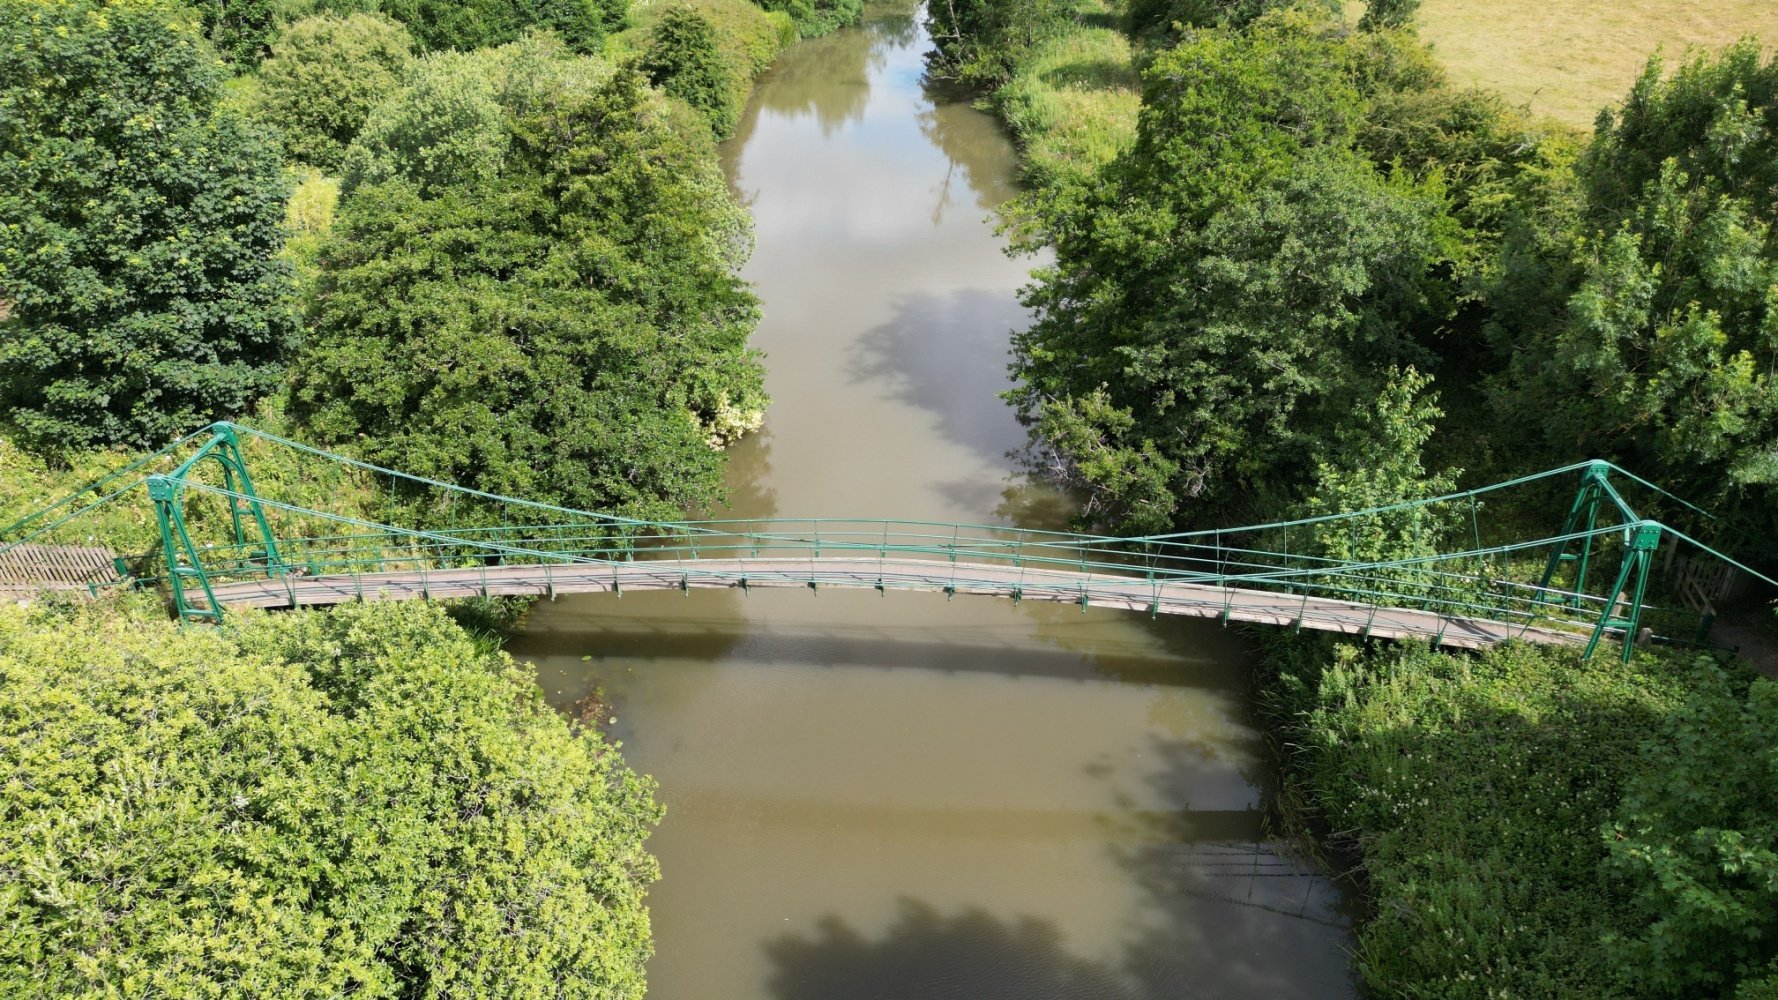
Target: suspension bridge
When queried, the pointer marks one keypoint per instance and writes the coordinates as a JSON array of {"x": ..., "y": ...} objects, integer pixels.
[{"x": 230, "y": 516}]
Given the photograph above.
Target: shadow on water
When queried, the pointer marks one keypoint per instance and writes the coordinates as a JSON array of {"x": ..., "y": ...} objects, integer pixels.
[
  {"x": 927, "y": 955},
  {"x": 1230, "y": 912},
  {"x": 931, "y": 354},
  {"x": 684, "y": 639}
]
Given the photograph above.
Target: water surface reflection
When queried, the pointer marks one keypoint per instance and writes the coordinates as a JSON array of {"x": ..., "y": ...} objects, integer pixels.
[{"x": 902, "y": 796}]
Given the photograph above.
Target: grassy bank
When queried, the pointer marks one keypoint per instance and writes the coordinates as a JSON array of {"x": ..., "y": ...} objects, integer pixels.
[
  {"x": 1072, "y": 105},
  {"x": 1569, "y": 58}
]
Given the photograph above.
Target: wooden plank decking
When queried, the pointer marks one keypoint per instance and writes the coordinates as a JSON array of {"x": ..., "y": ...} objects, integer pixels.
[
  {"x": 1094, "y": 589},
  {"x": 30, "y": 569}
]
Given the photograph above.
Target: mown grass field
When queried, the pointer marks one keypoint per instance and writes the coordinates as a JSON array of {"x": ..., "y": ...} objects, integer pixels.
[{"x": 1569, "y": 58}]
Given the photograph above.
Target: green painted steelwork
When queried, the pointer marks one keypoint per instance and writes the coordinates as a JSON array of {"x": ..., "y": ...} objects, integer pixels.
[{"x": 216, "y": 526}]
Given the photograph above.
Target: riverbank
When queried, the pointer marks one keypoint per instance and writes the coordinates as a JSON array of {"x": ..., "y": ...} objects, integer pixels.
[{"x": 1523, "y": 822}]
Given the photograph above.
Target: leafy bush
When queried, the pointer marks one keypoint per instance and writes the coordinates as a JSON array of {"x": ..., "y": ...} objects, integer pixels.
[
  {"x": 139, "y": 230},
  {"x": 744, "y": 38},
  {"x": 325, "y": 75},
  {"x": 444, "y": 128},
  {"x": 814, "y": 18},
  {"x": 465, "y": 25},
  {"x": 982, "y": 41},
  {"x": 241, "y": 30},
  {"x": 1475, "y": 787},
  {"x": 1155, "y": 20},
  {"x": 683, "y": 60},
  {"x": 1695, "y": 840},
  {"x": 1380, "y": 14},
  {"x": 556, "y": 316},
  {"x": 313, "y": 805}
]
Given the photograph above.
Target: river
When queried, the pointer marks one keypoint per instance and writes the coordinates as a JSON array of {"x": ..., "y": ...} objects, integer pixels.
[{"x": 901, "y": 797}]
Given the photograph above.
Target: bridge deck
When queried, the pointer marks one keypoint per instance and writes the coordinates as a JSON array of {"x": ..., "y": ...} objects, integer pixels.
[
  {"x": 32, "y": 568},
  {"x": 1094, "y": 589}
]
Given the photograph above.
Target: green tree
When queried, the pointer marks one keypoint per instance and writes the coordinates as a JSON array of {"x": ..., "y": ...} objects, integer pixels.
[
  {"x": 683, "y": 60},
  {"x": 564, "y": 322},
  {"x": 980, "y": 41},
  {"x": 314, "y": 805},
  {"x": 325, "y": 75},
  {"x": 444, "y": 128},
  {"x": 241, "y": 30},
  {"x": 473, "y": 24},
  {"x": 1376, "y": 461},
  {"x": 1381, "y": 14},
  {"x": 1659, "y": 315},
  {"x": 139, "y": 230},
  {"x": 1236, "y": 286},
  {"x": 1156, "y": 19}
]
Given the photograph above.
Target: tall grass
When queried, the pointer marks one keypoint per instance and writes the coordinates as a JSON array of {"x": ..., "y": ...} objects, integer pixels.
[{"x": 1072, "y": 105}]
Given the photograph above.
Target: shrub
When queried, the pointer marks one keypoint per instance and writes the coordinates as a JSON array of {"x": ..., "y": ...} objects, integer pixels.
[
  {"x": 983, "y": 41},
  {"x": 313, "y": 805},
  {"x": 465, "y": 25},
  {"x": 682, "y": 59},
  {"x": 324, "y": 77},
  {"x": 139, "y": 230},
  {"x": 1379, "y": 14},
  {"x": 1475, "y": 786},
  {"x": 1695, "y": 840},
  {"x": 241, "y": 30},
  {"x": 814, "y": 18}
]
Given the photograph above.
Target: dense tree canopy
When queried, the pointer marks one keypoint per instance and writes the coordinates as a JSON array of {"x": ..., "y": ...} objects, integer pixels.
[
  {"x": 357, "y": 803},
  {"x": 1650, "y": 271},
  {"x": 241, "y": 30},
  {"x": 1236, "y": 286},
  {"x": 684, "y": 61},
  {"x": 325, "y": 75},
  {"x": 474, "y": 24},
  {"x": 536, "y": 296},
  {"x": 139, "y": 227}
]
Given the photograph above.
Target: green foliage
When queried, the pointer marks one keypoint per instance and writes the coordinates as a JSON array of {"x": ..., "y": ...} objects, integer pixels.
[
  {"x": 445, "y": 128},
  {"x": 1380, "y": 14},
  {"x": 814, "y": 18},
  {"x": 982, "y": 41},
  {"x": 141, "y": 226},
  {"x": 1696, "y": 840},
  {"x": 1072, "y": 105},
  {"x": 312, "y": 805},
  {"x": 1235, "y": 287},
  {"x": 1475, "y": 788},
  {"x": 1651, "y": 287},
  {"x": 743, "y": 38},
  {"x": 555, "y": 317},
  {"x": 1375, "y": 461},
  {"x": 473, "y": 24},
  {"x": 1159, "y": 20},
  {"x": 324, "y": 77},
  {"x": 241, "y": 30},
  {"x": 683, "y": 60}
]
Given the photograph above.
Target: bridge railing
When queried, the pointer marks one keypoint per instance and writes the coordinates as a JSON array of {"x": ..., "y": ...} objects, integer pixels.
[{"x": 953, "y": 556}]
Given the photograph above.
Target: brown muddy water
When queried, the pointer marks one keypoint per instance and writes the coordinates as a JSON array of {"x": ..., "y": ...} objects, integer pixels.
[{"x": 899, "y": 797}]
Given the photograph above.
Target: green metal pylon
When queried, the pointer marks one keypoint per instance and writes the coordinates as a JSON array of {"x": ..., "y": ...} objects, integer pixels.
[
  {"x": 1644, "y": 538},
  {"x": 176, "y": 542},
  {"x": 224, "y": 448},
  {"x": 1583, "y": 515}
]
